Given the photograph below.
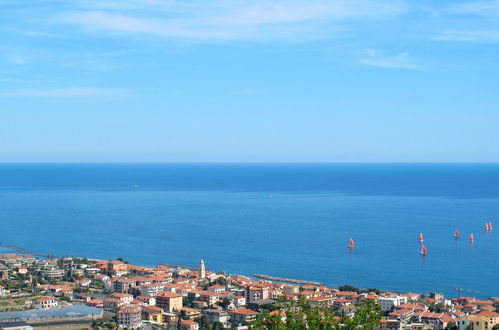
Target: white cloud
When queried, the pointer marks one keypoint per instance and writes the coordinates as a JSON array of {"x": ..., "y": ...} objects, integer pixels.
[
  {"x": 486, "y": 36},
  {"x": 223, "y": 19},
  {"x": 375, "y": 58},
  {"x": 480, "y": 7},
  {"x": 61, "y": 92}
]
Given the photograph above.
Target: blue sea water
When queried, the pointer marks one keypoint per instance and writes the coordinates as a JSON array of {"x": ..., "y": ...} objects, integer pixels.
[{"x": 288, "y": 220}]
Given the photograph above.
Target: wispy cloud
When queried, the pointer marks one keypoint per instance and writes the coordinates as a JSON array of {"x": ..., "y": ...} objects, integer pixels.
[
  {"x": 222, "y": 19},
  {"x": 68, "y": 92},
  {"x": 479, "y": 7},
  {"x": 373, "y": 57},
  {"x": 484, "y": 36}
]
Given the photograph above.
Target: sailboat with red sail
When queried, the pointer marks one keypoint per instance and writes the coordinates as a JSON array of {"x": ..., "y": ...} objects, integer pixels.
[
  {"x": 456, "y": 234},
  {"x": 421, "y": 239},
  {"x": 472, "y": 238},
  {"x": 351, "y": 244},
  {"x": 424, "y": 251}
]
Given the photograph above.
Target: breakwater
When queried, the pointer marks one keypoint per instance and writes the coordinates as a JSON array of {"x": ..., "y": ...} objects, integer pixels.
[{"x": 287, "y": 280}]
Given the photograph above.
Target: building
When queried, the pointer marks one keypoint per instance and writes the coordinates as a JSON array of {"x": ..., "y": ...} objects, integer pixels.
[
  {"x": 217, "y": 315},
  {"x": 202, "y": 270},
  {"x": 242, "y": 316},
  {"x": 389, "y": 303},
  {"x": 53, "y": 273},
  {"x": 254, "y": 293},
  {"x": 124, "y": 297},
  {"x": 112, "y": 303},
  {"x": 151, "y": 289},
  {"x": 152, "y": 314},
  {"x": 45, "y": 303},
  {"x": 3, "y": 291},
  {"x": 122, "y": 285},
  {"x": 129, "y": 316},
  {"x": 481, "y": 321},
  {"x": 188, "y": 325},
  {"x": 216, "y": 288},
  {"x": 169, "y": 301},
  {"x": 4, "y": 272},
  {"x": 95, "y": 303}
]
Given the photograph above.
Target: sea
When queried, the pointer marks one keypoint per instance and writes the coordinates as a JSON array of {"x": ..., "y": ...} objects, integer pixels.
[{"x": 286, "y": 220}]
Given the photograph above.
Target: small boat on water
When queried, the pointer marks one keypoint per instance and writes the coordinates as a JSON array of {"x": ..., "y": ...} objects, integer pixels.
[
  {"x": 490, "y": 225},
  {"x": 472, "y": 238},
  {"x": 487, "y": 227},
  {"x": 351, "y": 244},
  {"x": 424, "y": 251},
  {"x": 421, "y": 239},
  {"x": 456, "y": 234}
]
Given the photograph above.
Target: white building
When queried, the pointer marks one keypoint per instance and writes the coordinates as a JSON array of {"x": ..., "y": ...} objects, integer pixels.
[
  {"x": 45, "y": 303},
  {"x": 3, "y": 291},
  {"x": 151, "y": 290},
  {"x": 389, "y": 303},
  {"x": 129, "y": 316}
]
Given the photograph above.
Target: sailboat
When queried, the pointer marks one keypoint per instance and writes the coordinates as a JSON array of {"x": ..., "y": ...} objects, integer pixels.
[
  {"x": 456, "y": 234},
  {"x": 421, "y": 237},
  {"x": 487, "y": 228},
  {"x": 351, "y": 244},
  {"x": 423, "y": 250},
  {"x": 490, "y": 225},
  {"x": 472, "y": 238}
]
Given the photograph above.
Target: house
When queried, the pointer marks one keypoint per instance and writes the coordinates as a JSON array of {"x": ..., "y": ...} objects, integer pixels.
[
  {"x": 125, "y": 297},
  {"x": 188, "y": 325},
  {"x": 95, "y": 303},
  {"x": 325, "y": 302},
  {"x": 242, "y": 316},
  {"x": 191, "y": 313},
  {"x": 152, "y": 314},
  {"x": 481, "y": 321},
  {"x": 217, "y": 315},
  {"x": 45, "y": 303},
  {"x": 148, "y": 301},
  {"x": 129, "y": 316},
  {"x": 22, "y": 270},
  {"x": 84, "y": 282},
  {"x": 211, "y": 298},
  {"x": 112, "y": 303},
  {"x": 216, "y": 288},
  {"x": 3, "y": 291},
  {"x": 169, "y": 301}
]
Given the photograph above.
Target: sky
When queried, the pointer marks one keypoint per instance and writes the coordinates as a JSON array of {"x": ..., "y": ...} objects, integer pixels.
[{"x": 249, "y": 81}]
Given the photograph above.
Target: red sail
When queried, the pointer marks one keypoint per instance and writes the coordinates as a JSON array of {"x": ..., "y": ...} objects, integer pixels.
[
  {"x": 421, "y": 237},
  {"x": 351, "y": 243},
  {"x": 472, "y": 237},
  {"x": 457, "y": 233},
  {"x": 424, "y": 251}
]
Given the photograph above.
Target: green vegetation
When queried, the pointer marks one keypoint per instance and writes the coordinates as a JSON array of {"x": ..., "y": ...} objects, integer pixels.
[
  {"x": 367, "y": 316},
  {"x": 358, "y": 290}
]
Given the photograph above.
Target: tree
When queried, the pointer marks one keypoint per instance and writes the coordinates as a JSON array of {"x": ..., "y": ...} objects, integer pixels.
[{"x": 302, "y": 316}]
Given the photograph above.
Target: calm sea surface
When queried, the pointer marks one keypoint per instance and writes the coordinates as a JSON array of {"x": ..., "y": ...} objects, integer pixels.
[{"x": 285, "y": 220}]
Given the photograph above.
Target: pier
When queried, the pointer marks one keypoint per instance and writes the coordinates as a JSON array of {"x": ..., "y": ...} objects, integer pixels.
[
  {"x": 22, "y": 251},
  {"x": 287, "y": 280},
  {"x": 179, "y": 266}
]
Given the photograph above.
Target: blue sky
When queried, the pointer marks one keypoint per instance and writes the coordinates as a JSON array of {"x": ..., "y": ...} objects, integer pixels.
[{"x": 257, "y": 81}]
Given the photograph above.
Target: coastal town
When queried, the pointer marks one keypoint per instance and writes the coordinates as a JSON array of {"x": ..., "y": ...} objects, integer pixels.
[{"x": 84, "y": 293}]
